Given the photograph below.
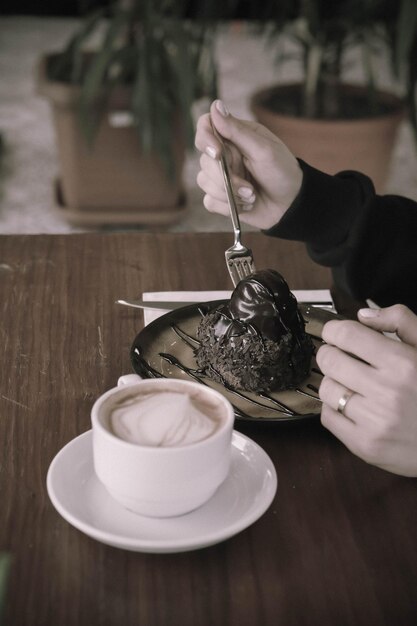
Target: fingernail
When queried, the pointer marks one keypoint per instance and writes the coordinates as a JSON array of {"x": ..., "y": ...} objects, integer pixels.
[
  {"x": 369, "y": 312},
  {"x": 250, "y": 200},
  {"x": 211, "y": 152},
  {"x": 221, "y": 108},
  {"x": 245, "y": 192}
]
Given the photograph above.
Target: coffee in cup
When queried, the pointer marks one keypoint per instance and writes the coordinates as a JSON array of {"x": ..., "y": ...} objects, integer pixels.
[
  {"x": 164, "y": 419},
  {"x": 162, "y": 447}
]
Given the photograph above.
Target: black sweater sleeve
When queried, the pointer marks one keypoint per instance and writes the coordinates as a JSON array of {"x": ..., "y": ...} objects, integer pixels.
[{"x": 369, "y": 241}]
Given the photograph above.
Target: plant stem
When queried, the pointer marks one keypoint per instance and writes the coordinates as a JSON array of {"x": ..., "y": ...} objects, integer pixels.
[{"x": 313, "y": 63}]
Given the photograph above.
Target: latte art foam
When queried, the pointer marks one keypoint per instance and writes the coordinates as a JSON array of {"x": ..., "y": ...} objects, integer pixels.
[{"x": 163, "y": 419}]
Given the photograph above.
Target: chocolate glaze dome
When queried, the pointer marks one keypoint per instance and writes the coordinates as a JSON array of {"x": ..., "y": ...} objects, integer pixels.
[{"x": 256, "y": 341}]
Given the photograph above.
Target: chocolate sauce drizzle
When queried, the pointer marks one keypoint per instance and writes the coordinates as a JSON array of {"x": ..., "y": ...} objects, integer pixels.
[{"x": 274, "y": 405}]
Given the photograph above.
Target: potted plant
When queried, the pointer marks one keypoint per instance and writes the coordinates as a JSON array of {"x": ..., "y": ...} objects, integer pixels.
[
  {"x": 331, "y": 124},
  {"x": 123, "y": 110}
]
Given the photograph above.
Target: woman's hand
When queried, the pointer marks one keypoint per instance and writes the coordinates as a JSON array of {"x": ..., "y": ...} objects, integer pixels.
[
  {"x": 266, "y": 177},
  {"x": 379, "y": 421}
]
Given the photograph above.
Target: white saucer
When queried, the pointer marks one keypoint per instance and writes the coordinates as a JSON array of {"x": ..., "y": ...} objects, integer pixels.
[{"x": 81, "y": 499}]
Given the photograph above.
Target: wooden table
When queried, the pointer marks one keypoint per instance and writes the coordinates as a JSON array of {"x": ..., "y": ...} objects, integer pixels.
[{"x": 337, "y": 546}]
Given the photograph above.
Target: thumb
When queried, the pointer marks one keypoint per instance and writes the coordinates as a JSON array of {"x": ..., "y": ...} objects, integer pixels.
[
  {"x": 393, "y": 319},
  {"x": 247, "y": 136}
]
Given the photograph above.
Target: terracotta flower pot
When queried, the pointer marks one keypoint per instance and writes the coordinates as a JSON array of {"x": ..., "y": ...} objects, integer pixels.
[
  {"x": 111, "y": 181},
  {"x": 364, "y": 144}
]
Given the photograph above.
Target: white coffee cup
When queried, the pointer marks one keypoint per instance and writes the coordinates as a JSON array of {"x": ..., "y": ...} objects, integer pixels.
[{"x": 159, "y": 480}]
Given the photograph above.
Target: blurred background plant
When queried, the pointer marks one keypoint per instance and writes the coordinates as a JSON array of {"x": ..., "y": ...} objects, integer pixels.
[
  {"x": 151, "y": 46},
  {"x": 164, "y": 49},
  {"x": 241, "y": 65},
  {"x": 325, "y": 32}
]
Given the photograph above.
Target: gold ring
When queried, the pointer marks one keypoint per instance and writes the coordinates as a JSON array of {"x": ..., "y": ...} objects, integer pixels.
[{"x": 343, "y": 401}]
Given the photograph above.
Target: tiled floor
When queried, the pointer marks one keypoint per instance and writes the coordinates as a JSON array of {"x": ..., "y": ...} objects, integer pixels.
[{"x": 27, "y": 203}]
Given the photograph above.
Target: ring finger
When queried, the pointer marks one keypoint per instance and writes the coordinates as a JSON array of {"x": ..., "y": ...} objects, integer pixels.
[{"x": 331, "y": 393}]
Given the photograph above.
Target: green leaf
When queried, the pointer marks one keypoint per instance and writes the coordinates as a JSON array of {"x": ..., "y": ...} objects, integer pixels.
[
  {"x": 67, "y": 66},
  {"x": 5, "y": 561},
  {"x": 405, "y": 54},
  {"x": 96, "y": 72},
  {"x": 182, "y": 63},
  {"x": 406, "y": 30},
  {"x": 142, "y": 97},
  {"x": 91, "y": 90}
]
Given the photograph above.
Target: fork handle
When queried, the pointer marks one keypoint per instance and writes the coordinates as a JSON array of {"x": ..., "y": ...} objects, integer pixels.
[{"x": 229, "y": 189}]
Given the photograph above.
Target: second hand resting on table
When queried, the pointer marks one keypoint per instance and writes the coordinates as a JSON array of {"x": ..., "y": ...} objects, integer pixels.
[{"x": 369, "y": 402}]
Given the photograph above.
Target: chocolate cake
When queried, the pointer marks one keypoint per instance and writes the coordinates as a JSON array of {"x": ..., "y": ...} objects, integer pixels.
[{"x": 256, "y": 341}]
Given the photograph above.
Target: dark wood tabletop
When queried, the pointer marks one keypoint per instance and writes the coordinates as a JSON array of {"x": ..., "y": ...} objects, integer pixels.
[{"x": 338, "y": 545}]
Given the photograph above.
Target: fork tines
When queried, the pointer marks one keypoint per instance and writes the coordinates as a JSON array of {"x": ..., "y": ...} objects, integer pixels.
[{"x": 240, "y": 264}]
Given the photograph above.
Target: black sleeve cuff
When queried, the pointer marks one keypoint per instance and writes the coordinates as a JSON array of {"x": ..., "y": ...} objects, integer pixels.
[{"x": 325, "y": 209}]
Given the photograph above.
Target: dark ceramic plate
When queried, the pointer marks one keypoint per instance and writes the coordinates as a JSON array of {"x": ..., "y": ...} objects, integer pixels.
[{"x": 165, "y": 348}]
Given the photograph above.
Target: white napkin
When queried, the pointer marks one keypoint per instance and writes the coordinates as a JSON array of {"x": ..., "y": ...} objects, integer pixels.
[{"x": 302, "y": 295}]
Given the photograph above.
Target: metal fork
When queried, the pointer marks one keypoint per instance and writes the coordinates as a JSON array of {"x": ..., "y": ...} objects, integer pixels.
[{"x": 239, "y": 259}]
